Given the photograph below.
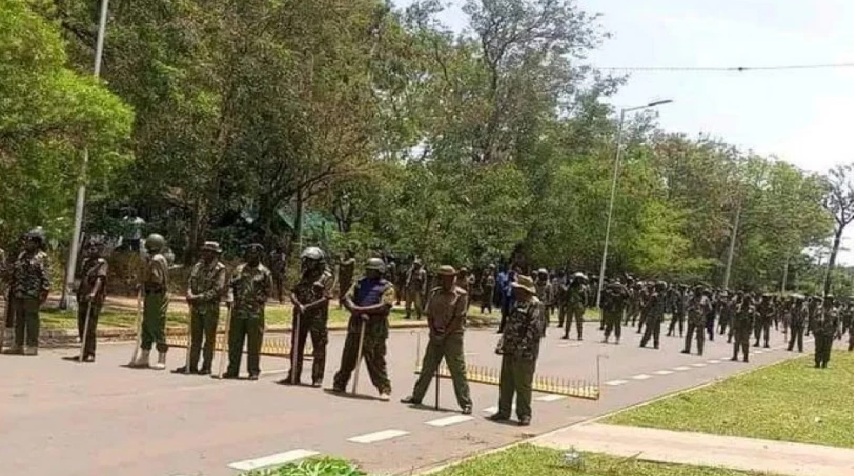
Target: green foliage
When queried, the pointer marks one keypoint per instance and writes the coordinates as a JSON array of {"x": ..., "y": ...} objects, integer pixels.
[{"x": 312, "y": 467}]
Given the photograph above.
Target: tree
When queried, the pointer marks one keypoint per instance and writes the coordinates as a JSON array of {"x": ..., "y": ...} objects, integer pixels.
[
  {"x": 49, "y": 114},
  {"x": 840, "y": 204}
]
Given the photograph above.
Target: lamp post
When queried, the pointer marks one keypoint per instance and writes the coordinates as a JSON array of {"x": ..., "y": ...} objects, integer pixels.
[
  {"x": 613, "y": 190},
  {"x": 81, "y": 191}
]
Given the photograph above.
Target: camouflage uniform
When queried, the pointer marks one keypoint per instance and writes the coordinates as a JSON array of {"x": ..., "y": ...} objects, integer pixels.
[
  {"x": 614, "y": 303},
  {"x": 155, "y": 285},
  {"x": 414, "y": 289},
  {"x": 742, "y": 325},
  {"x": 577, "y": 297},
  {"x": 30, "y": 285},
  {"x": 487, "y": 291},
  {"x": 697, "y": 309},
  {"x": 207, "y": 286},
  {"x": 824, "y": 332},
  {"x": 679, "y": 309},
  {"x": 654, "y": 312},
  {"x": 727, "y": 315},
  {"x": 93, "y": 273},
  {"x": 368, "y": 292},
  {"x": 545, "y": 295},
  {"x": 314, "y": 286},
  {"x": 519, "y": 347},
  {"x": 764, "y": 319},
  {"x": 797, "y": 322},
  {"x": 446, "y": 311},
  {"x": 560, "y": 295},
  {"x": 633, "y": 305},
  {"x": 251, "y": 287}
]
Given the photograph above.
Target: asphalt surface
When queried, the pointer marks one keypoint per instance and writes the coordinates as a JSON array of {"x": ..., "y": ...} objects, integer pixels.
[{"x": 64, "y": 418}]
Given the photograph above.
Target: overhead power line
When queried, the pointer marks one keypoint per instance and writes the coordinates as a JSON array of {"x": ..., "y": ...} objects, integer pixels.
[{"x": 739, "y": 69}]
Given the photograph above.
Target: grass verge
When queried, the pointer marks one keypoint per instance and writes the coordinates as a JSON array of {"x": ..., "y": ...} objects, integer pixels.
[
  {"x": 312, "y": 467},
  {"x": 531, "y": 460},
  {"x": 789, "y": 401}
]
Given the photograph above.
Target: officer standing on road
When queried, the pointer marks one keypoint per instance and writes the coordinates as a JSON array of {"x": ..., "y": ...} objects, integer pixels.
[
  {"x": 30, "y": 285},
  {"x": 446, "y": 311},
  {"x": 310, "y": 298},
  {"x": 615, "y": 301},
  {"x": 679, "y": 309},
  {"x": 346, "y": 274},
  {"x": 206, "y": 287},
  {"x": 826, "y": 326},
  {"x": 653, "y": 312},
  {"x": 697, "y": 309},
  {"x": 765, "y": 318},
  {"x": 278, "y": 260},
  {"x": 797, "y": 321},
  {"x": 742, "y": 322},
  {"x": 519, "y": 347},
  {"x": 369, "y": 302},
  {"x": 577, "y": 298},
  {"x": 415, "y": 288},
  {"x": 90, "y": 296},
  {"x": 155, "y": 284},
  {"x": 250, "y": 285},
  {"x": 487, "y": 289}
]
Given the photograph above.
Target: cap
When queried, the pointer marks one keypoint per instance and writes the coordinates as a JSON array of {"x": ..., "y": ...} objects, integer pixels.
[{"x": 212, "y": 246}]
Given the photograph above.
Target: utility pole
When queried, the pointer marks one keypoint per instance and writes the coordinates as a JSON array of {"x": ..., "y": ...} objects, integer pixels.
[
  {"x": 732, "y": 248},
  {"x": 785, "y": 277},
  {"x": 74, "y": 249}
]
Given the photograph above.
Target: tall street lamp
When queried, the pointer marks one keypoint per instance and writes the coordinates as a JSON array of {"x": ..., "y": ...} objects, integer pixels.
[
  {"x": 613, "y": 190},
  {"x": 81, "y": 191}
]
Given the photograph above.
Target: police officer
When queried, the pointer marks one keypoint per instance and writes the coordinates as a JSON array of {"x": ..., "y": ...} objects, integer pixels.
[
  {"x": 577, "y": 298},
  {"x": 742, "y": 323},
  {"x": 697, "y": 309},
  {"x": 369, "y": 302},
  {"x": 155, "y": 284},
  {"x": 614, "y": 303},
  {"x": 205, "y": 289},
  {"x": 653, "y": 313},
  {"x": 90, "y": 296},
  {"x": 30, "y": 285},
  {"x": 250, "y": 286},
  {"x": 446, "y": 311},
  {"x": 310, "y": 300}
]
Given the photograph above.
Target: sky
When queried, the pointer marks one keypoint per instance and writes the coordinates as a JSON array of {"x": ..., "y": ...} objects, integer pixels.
[{"x": 801, "y": 116}]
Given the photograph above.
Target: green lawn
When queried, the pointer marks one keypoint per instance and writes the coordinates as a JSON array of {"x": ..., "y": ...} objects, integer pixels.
[
  {"x": 789, "y": 401},
  {"x": 531, "y": 460}
]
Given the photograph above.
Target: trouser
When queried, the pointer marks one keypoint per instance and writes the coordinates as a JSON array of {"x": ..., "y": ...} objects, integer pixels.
[
  {"x": 676, "y": 318},
  {"x": 414, "y": 297},
  {"x": 375, "y": 355},
  {"x": 742, "y": 343},
  {"x": 252, "y": 330},
  {"x": 695, "y": 329},
  {"x": 26, "y": 322},
  {"x": 486, "y": 301},
  {"x": 8, "y": 312},
  {"x": 279, "y": 281},
  {"x": 614, "y": 325},
  {"x": 562, "y": 314},
  {"x": 709, "y": 325},
  {"x": 577, "y": 316},
  {"x": 450, "y": 348},
  {"x": 653, "y": 331},
  {"x": 631, "y": 316},
  {"x": 316, "y": 328},
  {"x": 763, "y": 330},
  {"x": 602, "y": 323},
  {"x": 797, "y": 337},
  {"x": 823, "y": 346},
  {"x": 506, "y": 307},
  {"x": 516, "y": 378},
  {"x": 154, "y": 321},
  {"x": 851, "y": 338},
  {"x": 203, "y": 334},
  {"x": 89, "y": 341},
  {"x": 723, "y": 323}
]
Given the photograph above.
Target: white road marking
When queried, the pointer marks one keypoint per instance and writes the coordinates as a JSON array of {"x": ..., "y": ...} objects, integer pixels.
[
  {"x": 713, "y": 361},
  {"x": 614, "y": 383},
  {"x": 725, "y": 358},
  {"x": 449, "y": 420},
  {"x": 681, "y": 369},
  {"x": 663, "y": 372},
  {"x": 378, "y": 436},
  {"x": 757, "y": 352},
  {"x": 272, "y": 460},
  {"x": 641, "y": 377},
  {"x": 698, "y": 365},
  {"x": 551, "y": 398}
]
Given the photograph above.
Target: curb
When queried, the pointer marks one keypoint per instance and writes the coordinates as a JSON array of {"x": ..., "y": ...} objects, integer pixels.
[{"x": 531, "y": 440}]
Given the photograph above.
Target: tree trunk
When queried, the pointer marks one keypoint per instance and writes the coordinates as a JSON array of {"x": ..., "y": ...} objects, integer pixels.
[
  {"x": 297, "y": 226},
  {"x": 832, "y": 262},
  {"x": 197, "y": 231}
]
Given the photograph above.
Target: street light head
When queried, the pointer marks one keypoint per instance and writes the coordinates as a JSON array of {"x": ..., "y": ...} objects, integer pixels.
[{"x": 658, "y": 103}]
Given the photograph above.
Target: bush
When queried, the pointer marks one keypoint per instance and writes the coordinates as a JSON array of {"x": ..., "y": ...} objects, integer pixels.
[{"x": 312, "y": 467}]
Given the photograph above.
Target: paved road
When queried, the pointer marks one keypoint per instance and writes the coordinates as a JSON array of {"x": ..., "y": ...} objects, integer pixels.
[{"x": 62, "y": 418}]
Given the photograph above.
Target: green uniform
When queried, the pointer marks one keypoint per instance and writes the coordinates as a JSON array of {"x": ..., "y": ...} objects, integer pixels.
[
  {"x": 313, "y": 287},
  {"x": 519, "y": 347},
  {"x": 825, "y": 330},
  {"x": 742, "y": 323},
  {"x": 615, "y": 301},
  {"x": 93, "y": 271},
  {"x": 206, "y": 285},
  {"x": 487, "y": 291},
  {"x": 653, "y": 312},
  {"x": 577, "y": 298},
  {"x": 30, "y": 284},
  {"x": 446, "y": 312},
  {"x": 155, "y": 286},
  {"x": 697, "y": 310},
  {"x": 368, "y": 292},
  {"x": 764, "y": 321},
  {"x": 251, "y": 287},
  {"x": 679, "y": 308},
  {"x": 797, "y": 322},
  {"x": 415, "y": 288},
  {"x": 278, "y": 261}
]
